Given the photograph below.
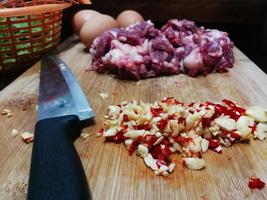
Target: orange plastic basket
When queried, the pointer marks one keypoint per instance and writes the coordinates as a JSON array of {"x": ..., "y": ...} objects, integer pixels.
[{"x": 28, "y": 29}]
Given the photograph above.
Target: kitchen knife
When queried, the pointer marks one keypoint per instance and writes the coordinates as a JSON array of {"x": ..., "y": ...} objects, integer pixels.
[{"x": 56, "y": 170}]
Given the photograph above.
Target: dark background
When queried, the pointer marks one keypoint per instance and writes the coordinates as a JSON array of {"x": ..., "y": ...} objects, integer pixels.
[{"x": 244, "y": 20}]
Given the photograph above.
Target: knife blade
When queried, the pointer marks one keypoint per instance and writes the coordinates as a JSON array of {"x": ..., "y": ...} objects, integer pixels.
[{"x": 56, "y": 171}]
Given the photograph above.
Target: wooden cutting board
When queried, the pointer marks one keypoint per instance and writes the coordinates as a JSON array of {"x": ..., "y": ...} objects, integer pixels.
[{"x": 111, "y": 172}]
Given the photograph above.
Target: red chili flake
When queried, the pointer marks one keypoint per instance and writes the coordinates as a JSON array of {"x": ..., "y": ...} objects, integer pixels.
[
  {"x": 171, "y": 100},
  {"x": 139, "y": 138},
  {"x": 213, "y": 144},
  {"x": 182, "y": 140},
  {"x": 228, "y": 102},
  {"x": 124, "y": 128},
  {"x": 253, "y": 128},
  {"x": 223, "y": 110},
  {"x": 181, "y": 120},
  {"x": 255, "y": 183},
  {"x": 132, "y": 147},
  {"x": 205, "y": 122},
  {"x": 178, "y": 102},
  {"x": 162, "y": 124},
  {"x": 166, "y": 142},
  {"x": 149, "y": 140},
  {"x": 234, "y": 107},
  {"x": 191, "y": 104},
  {"x": 214, "y": 116},
  {"x": 171, "y": 116},
  {"x": 158, "y": 153},
  {"x": 156, "y": 111},
  {"x": 167, "y": 99},
  {"x": 209, "y": 103},
  {"x": 119, "y": 137},
  {"x": 166, "y": 150},
  {"x": 125, "y": 118},
  {"x": 183, "y": 163},
  {"x": 146, "y": 126},
  {"x": 235, "y": 135},
  {"x": 100, "y": 131}
]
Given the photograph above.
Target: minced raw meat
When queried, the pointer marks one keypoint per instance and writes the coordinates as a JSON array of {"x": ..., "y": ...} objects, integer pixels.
[{"x": 142, "y": 51}]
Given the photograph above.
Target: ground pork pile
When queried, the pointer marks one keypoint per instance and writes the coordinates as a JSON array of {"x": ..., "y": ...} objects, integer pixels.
[{"x": 143, "y": 51}]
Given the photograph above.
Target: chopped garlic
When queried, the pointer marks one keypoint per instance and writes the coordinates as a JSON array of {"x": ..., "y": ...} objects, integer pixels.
[
  {"x": 142, "y": 151},
  {"x": 257, "y": 113},
  {"x": 159, "y": 140},
  {"x": 243, "y": 125},
  {"x": 134, "y": 133},
  {"x": 261, "y": 131},
  {"x": 110, "y": 132},
  {"x": 128, "y": 142},
  {"x": 171, "y": 167},
  {"x": 225, "y": 123},
  {"x": 14, "y": 132},
  {"x": 204, "y": 145},
  {"x": 27, "y": 137},
  {"x": 9, "y": 114},
  {"x": 6, "y": 111},
  {"x": 138, "y": 83},
  {"x": 194, "y": 163},
  {"x": 85, "y": 135},
  {"x": 163, "y": 170},
  {"x": 103, "y": 95},
  {"x": 150, "y": 162}
]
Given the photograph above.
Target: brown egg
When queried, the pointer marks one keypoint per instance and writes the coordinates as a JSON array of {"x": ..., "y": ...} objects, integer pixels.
[
  {"x": 128, "y": 17},
  {"x": 81, "y": 17},
  {"x": 94, "y": 27}
]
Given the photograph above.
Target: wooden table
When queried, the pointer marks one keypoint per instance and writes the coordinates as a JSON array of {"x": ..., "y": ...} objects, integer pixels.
[{"x": 111, "y": 172}]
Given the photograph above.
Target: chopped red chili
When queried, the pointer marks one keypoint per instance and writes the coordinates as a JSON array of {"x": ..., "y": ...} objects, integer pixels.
[
  {"x": 182, "y": 140},
  {"x": 255, "y": 183},
  {"x": 205, "y": 122},
  {"x": 253, "y": 128},
  {"x": 125, "y": 118},
  {"x": 181, "y": 120},
  {"x": 191, "y": 104},
  {"x": 213, "y": 144},
  {"x": 132, "y": 147},
  {"x": 149, "y": 140},
  {"x": 156, "y": 111},
  {"x": 234, "y": 107},
  {"x": 145, "y": 126},
  {"x": 101, "y": 131},
  {"x": 162, "y": 124}
]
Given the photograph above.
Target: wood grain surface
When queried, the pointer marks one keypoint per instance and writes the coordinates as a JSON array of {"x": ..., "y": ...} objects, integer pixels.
[{"x": 111, "y": 172}]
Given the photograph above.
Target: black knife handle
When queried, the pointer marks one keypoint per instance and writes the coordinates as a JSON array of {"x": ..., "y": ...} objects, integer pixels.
[{"x": 56, "y": 170}]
